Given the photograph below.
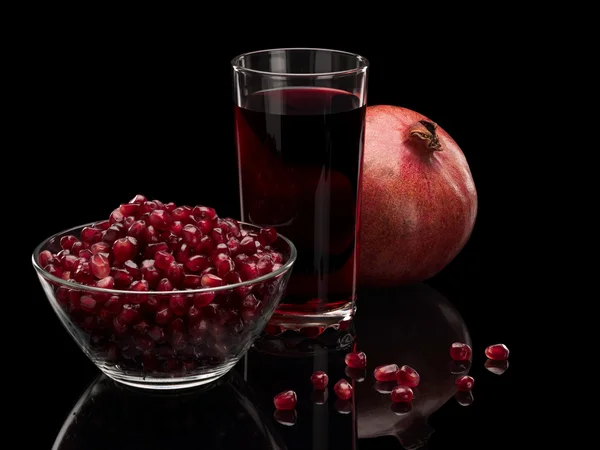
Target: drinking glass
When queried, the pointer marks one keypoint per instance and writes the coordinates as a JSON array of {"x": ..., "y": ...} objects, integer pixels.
[{"x": 299, "y": 126}]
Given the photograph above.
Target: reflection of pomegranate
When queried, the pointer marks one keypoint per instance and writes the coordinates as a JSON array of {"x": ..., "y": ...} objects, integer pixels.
[
  {"x": 418, "y": 198},
  {"x": 417, "y": 325}
]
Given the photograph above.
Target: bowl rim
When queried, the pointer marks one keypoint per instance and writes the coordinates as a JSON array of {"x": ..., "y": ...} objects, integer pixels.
[{"x": 73, "y": 285}]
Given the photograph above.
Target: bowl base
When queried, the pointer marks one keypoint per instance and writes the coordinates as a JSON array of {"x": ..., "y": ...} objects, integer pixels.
[{"x": 156, "y": 383}]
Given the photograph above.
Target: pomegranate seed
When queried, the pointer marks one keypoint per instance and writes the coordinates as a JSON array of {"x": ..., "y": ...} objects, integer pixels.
[
  {"x": 285, "y": 418},
  {"x": 163, "y": 259},
  {"x": 150, "y": 235},
  {"x": 209, "y": 280},
  {"x": 62, "y": 295},
  {"x": 164, "y": 285},
  {"x": 138, "y": 230},
  {"x": 77, "y": 247},
  {"x": 343, "y": 389},
  {"x": 191, "y": 281},
  {"x": 177, "y": 228},
  {"x": 217, "y": 235},
  {"x": 356, "y": 360},
  {"x": 99, "y": 265},
  {"x": 66, "y": 242},
  {"x": 496, "y": 367},
  {"x": 248, "y": 271},
  {"x": 199, "y": 329},
  {"x": 66, "y": 275},
  {"x": 100, "y": 247},
  {"x": 465, "y": 383},
  {"x": 124, "y": 249},
  {"x": 267, "y": 236},
  {"x": 191, "y": 235},
  {"x": 141, "y": 327},
  {"x": 197, "y": 263},
  {"x": 148, "y": 206},
  {"x": 285, "y": 401},
  {"x": 194, "y": 314},
  {"x": 82, "y": 272},
  {"x": 45, "y": 258},
  {"x": 150, "y": 273},
  {"x": 91, "y": 234},
  {"x": 202, "y": 299},
  {"x": 182, "y": 213},
  {"x": 248, "y": 245},
  {"x": 128, "y": 314},
  {"x": 119, "y": 326},
  {"x": 116, "y": 216},
  {"x": 220, "y": 249},
  {"x": 210, "y": 270},
  {"x": 156, "y": 333},
  {"x": 139, "y": 198},
  {"x": 113, "y": 305},
  {"x": 133, "y": 269},
  {"x": 178, "y": 304},
  {"x": 497, "y": 352},
  {"x": 85, "y": 254},
  {"x": 139, "y": 286},
  {"x": 68, "y": 262},
  {"x": 122, "y": 278},
  {"x": 102, "y": 225},
  {"x": 402, "y": 394},
  {"x": 106, "y": 283},
  {"x": 183, "y": 254},
  {"x": 87, "y": 303},
  {"x": 264, "y": 266},
  {"x": 129, "y": 220},
  {"x": 386, "y": 373},
  {"x": 233, "y": 245},
  {"x": 276, "y": 257},
  {"x": 407, "y": 376},
  {"x": 175, "y": 273},
  {"x": 459, "y": 351},
  {"x": 464, "y": 398},
  {"x": 205, "y": 246},
  {"x": 204, "y": 212},
  {"x": 130, "y": 209},
  {"x": 111, "y": 234},
  {"x": 160, "y": 219},
  {"x": 205, "y": 225},
  {"x": 224, "y": 265},
  {"x": 319, "y": 380}
]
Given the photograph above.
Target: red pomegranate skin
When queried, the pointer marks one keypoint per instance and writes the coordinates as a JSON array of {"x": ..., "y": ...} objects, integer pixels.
[{"x": 419, "y": 202}]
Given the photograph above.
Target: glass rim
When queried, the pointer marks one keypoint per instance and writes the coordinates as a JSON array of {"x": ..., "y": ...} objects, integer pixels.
[
  {"x": 74, "y": 285},
  {"x": 363, "y": 64}
]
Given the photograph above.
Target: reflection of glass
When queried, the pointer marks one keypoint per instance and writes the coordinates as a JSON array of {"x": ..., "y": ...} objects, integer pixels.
[
  {"x": 217, "y": 416},
  {"x": 300, "y": 120},
  {"x": 414, "y": 326}
]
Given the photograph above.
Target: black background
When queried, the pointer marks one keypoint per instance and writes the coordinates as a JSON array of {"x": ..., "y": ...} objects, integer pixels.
[{"x": 129, "y": 114}]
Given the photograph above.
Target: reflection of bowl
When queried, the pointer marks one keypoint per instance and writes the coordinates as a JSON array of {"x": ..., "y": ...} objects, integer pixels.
[
  {"x": 134, "y": 337},
  {"x": 111, "y": 416}
]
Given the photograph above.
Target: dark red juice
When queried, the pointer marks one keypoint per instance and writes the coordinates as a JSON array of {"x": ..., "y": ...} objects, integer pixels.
[{"x": 300, "y": 158}]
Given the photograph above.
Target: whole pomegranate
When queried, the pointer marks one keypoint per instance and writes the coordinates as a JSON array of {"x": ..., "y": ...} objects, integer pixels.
[{"x": 418, "y": 198}]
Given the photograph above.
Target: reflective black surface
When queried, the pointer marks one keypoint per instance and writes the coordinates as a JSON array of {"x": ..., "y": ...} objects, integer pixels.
[{"x": 413, "y": 326}]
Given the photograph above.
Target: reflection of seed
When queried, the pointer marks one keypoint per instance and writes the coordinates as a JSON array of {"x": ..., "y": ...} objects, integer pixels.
[
  {"x": 319, "y": 397},
  {"x": 343, "y": 406},
  {"x": 287, "y": 418},
  {"x": 464, "y": 398},
  {"x": 496, "y": 367},
  {"x": 357, "y": 375},
  {"x": 385, "y": 387},
  {"x": 401, "y": 408},
  {"x": 458, "y": 367}
]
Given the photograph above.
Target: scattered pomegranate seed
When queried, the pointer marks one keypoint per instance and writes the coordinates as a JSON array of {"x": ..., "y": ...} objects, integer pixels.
[
  {"x": 465, "y": 383},
  {"x": 285, "y": 401},
  {"x": 319, "y": 380},
  {"x": 497, "y": 352},
  {"x": 407, "y": 376},
  {"x": 496, "y": 367},
  {"x": 343, "y": 389},
  {"x": 267, "y": 236},
  {"x": 386, "y": 372},
  {"x": 402, "y": 394},
  {"x": 356, "y": 360},
  {"x": 459, "y": 351}
]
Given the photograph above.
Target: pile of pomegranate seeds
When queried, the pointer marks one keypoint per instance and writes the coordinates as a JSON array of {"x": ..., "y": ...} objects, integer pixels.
[
  {"x": 285, "y": 401},
  {"x": 356, "y": 360},
  {"x": 319, "y": 380},
  {"x": 497, "y": 352},
  {"x": 146, "y": 246}
]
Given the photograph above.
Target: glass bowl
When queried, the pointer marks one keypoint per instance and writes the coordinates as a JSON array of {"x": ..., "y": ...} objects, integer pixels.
[{"x": 135, "y": 339}]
